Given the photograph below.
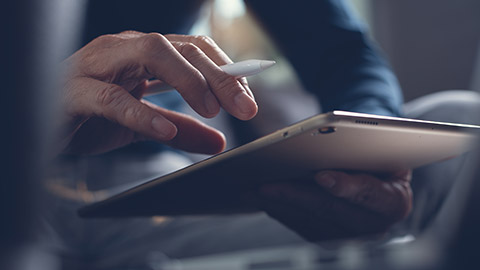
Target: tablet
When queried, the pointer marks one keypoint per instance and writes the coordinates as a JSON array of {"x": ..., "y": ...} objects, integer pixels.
[{"x": 337, "y": 140}]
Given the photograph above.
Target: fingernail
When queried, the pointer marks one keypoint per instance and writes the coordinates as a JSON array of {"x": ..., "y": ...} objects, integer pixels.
[
  {"x": 325, "y": 179},
  {"x": 163, "y": 127},
  {"x": 249, "y": 92},
  {"x": 211, "y": 103},
  {"x": 244, "y": 103}
]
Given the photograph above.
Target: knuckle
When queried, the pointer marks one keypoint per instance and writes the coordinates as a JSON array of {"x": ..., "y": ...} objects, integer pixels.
[
  {"x": 106, "y": 39},
  {"x": 205, "y": 40},
  {"x": 108, "y": 95},
  {"x": 132, "y": 114},
  {"x": 129, "y": 32},
  {"x": 189, "y": 50},
  {"x": 225, "y": 85},
  {"x": 152, "y": 42}
]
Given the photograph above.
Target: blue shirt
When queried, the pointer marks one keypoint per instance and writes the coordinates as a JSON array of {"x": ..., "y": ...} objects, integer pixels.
[{"x": 332, "y": 54}]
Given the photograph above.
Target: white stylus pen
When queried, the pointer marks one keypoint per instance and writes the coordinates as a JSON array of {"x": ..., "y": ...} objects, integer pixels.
[{"x": 239, "y": 69}]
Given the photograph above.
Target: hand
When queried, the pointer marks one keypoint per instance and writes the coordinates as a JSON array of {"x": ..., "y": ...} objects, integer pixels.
[
  {"x": 108, "y": 76},
  {"x": 338, "y": 204}
]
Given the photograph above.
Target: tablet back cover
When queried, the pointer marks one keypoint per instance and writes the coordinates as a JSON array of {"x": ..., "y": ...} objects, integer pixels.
[{"x": 337, "y": 140}]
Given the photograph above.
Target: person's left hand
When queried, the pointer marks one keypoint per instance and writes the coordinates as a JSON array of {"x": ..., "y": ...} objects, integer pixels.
[{"x": 337, "y": 204}]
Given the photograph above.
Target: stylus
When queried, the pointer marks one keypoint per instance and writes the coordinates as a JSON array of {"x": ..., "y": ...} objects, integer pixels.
[{"x": 239, "y": 69}]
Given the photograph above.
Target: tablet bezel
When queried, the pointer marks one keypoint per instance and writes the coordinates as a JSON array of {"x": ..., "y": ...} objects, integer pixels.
[{"x": 198, "y": 193}]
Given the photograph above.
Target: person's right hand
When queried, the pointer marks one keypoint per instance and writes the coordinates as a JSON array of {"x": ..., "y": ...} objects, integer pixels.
[
  {"x": 106, "y": 79},
  {"x": 338, "y": 205}
]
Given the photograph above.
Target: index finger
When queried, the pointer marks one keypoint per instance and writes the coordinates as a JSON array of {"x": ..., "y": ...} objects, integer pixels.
[
  {"x": 161, "y": 60},
  {"x": 205, "y": 87},
  {"x": 212, "y": 50}
]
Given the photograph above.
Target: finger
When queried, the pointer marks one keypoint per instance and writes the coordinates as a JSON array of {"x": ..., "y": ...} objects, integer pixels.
[
  {"x": 391, "y": 198},
  {"x": 229, "y": 92},
  {"x": 156, "y": 86},
  {"x": 116, "y": 104},
  {"x": 140, "y": 90},
  {"x": 131, "y": 56},
  {"x": 192, "y": 135},
  {"x": 212, "y": 50},
  {"x": 129, "y": 34},
  {"x": 162, "y": 61},
  {"x": 244, "y": 82}
]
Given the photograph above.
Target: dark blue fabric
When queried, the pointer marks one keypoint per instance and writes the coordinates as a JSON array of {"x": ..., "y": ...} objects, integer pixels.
[
  {"x": 162, "y": 16},
  {"x": 330, "y": 51},
  {"x": 323, "y": 40}
]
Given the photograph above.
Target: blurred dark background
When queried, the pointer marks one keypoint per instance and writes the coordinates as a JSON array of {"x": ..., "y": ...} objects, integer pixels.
[{"x": 433, "y": 45}]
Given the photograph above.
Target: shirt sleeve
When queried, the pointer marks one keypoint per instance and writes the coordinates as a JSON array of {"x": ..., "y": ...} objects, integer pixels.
[{"x": 332, "y": 54}]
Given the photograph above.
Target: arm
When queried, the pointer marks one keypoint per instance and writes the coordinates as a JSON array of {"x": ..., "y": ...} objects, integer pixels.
[
  {"x": 335, "y": 61},
  {"x": 332, "y": 55}
]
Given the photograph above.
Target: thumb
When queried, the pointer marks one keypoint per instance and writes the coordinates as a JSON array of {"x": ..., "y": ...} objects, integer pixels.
[{"x": 116, "y": 104}]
